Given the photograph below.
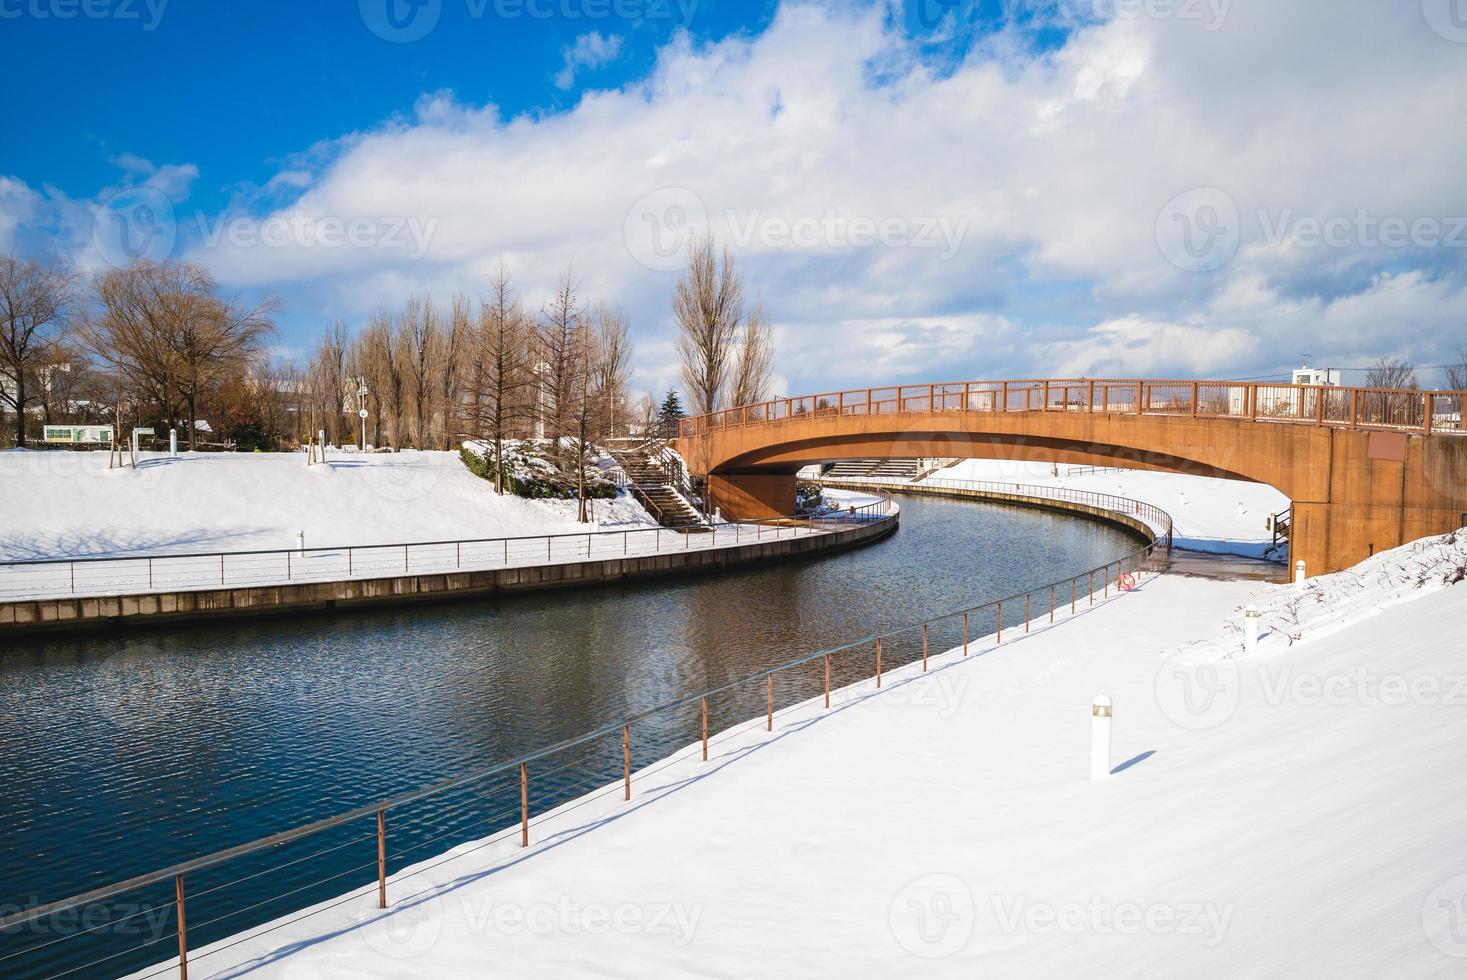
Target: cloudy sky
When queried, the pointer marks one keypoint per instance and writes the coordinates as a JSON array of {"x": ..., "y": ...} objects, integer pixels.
[{"x": 917, "y": 192}]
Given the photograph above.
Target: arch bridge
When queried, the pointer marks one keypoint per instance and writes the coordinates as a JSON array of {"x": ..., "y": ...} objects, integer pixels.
[{"x": 1367, "y": 469}]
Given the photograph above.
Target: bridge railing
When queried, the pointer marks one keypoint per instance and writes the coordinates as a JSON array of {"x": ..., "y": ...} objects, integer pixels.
[
  {"x": 379, "y": 844},
  {"x": 1357, "y": 408}
]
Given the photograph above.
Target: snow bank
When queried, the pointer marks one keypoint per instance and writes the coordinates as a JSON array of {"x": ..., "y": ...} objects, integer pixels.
[
  {"x": 1330, "y": 603},
  {"x": 1219, "y": 516},
  {"x": 62, "y": 504}
]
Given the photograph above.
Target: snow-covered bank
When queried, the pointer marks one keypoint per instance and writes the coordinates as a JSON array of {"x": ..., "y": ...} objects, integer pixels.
[
  {"x": 68, "y": 504},
  {"x": 1220, "y": 516},
  {"x": 944, "y": 825}
]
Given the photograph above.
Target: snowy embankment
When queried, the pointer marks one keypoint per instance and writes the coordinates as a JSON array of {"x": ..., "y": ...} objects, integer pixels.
[
  {"x": 68, "y": 504},
  {"x": 1219, "y": 516},
  {"x": 1292, "y": 812}
]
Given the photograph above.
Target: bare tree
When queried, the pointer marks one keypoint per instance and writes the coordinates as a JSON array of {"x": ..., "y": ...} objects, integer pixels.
[
  {"x": 1388, "y": 372},
  {"x": 450, "y": 369},
  {"x": 1457, "y": 373},
  {"x": 215, "y": 337},
  {"x": 33, "y": 303},
  {"x": 502, "y": 359},
  {"x": 708, "y": 306},
  {"x": 326, "y": 381},
  {"x": 611, "y": 365},
  {"x": 560, "y": 330},
  {"x": 755, "y": 364}
]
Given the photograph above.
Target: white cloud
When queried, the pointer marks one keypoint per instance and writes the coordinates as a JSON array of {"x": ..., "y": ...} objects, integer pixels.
[
  {"x": 591, "y": 50},
  {"x": 1055, "y": 163}
]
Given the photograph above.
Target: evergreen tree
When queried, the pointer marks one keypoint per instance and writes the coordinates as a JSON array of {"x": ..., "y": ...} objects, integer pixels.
[{"x": 669, "y": 415}]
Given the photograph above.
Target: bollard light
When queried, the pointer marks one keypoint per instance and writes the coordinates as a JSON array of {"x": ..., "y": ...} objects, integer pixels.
[
  {"x": 1250, "y": 628},
  {"x": 1299, "y": 574},
  {"x": 1100, "y": 712}
]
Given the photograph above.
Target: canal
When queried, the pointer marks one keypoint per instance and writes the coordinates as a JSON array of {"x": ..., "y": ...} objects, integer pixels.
[{"x": 125, "y": 754}]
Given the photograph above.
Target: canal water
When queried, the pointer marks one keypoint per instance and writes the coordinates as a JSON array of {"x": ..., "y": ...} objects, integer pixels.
[{"x": 125, "y": 754}]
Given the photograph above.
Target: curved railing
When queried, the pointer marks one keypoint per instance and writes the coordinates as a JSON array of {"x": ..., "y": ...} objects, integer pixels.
[
  {"x": 61, "y": 578},
  {"x": 176, "y": 890},
  {"x": 1363, "y": 408}
]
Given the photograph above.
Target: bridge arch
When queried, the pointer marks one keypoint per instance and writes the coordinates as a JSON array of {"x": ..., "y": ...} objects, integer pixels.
[{"x": 1366, "y": 469}]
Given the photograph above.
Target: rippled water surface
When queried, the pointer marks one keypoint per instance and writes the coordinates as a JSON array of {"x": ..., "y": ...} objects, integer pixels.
[{"x": 125, "y": 754}]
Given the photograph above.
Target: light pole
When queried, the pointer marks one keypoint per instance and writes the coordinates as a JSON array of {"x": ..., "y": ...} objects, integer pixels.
[{"x": 362, "y": 411}]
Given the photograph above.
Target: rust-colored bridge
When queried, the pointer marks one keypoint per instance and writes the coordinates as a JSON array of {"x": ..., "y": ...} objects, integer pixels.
[{"x": 1367, "y": 469}]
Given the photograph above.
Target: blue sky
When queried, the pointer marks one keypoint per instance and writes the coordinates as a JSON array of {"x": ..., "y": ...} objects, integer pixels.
[{"x": 915, "y": 190}]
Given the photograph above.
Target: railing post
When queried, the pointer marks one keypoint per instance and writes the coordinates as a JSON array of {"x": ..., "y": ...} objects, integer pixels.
[
  {"x": 458, "y": 554},
  {"x": 1027, "y": 596},
  {"x": 72, "y": 568},
  {"x": 1051, "y": 604},
  {"x": 878, "y": 663},
  {"x": 404, "y": 559},
  {"x": 524, "y": 806},
  {"x": 965, "y": 634},
  {"x": 769, "y": 694},
  {"x": 1426, "y": 418},
  {"x": 182, "y": 928},
  {"x": 626, "y": 758},
  {"x": 1000, "y": 622},
  {"x": 1354, "y": 406},
  {"x": 221, "y": 569},
  {"x": 382, "y": 859},
  {"x": 705, "y": 729},
  {"x": 1005, "y": 406},
  {"x": 924, "y": 647},
  {"x": 1092, "y": 589},
  {"x": 1090, "y": 398},
  {"x": 827, "y": 680},
  {"x": 1073, "y": 590},
  {"x": 150, "y": 571}
]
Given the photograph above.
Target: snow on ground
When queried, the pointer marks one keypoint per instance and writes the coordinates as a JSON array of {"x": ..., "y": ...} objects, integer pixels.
[
  {"x": 68, "y": 504},
  {"x": 1220, "y": 516},
  {"x": 1291, "y": 813}
]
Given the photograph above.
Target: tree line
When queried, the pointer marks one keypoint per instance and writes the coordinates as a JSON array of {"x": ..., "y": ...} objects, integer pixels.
[{"x": 159, "y": 344}]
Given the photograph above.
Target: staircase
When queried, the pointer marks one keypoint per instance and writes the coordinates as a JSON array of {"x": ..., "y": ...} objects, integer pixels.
[{"x": 657, "y": 489}]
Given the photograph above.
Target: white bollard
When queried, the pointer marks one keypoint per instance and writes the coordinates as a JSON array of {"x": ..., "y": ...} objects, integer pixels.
[
  {"x": 1250, "y": 629},
  {"x": 301, "y": 537},
  {"x": 1100, "y": 713},
  {"x": 173, "y": 442},
  {"x": 1299, "y": 574}
]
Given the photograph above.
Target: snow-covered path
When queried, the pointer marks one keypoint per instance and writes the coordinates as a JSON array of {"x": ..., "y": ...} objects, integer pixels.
[{"x": 944, "y": 826}]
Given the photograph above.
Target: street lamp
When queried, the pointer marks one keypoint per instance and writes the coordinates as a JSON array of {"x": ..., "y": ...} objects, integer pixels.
[{"x": 362, "y": 410}]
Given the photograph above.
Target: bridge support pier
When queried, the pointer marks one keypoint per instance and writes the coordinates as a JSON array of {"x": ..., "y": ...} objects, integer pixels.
[{"x": 752, "y": 496}]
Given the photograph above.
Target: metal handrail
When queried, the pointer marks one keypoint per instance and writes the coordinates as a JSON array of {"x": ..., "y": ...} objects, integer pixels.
[
  {"x": 130, "y": 563},
  {"x": 1395, "y": 409},
  {"x": 1140, "y": 560}
]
